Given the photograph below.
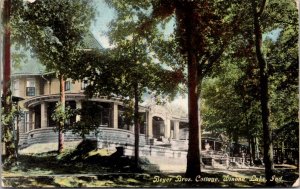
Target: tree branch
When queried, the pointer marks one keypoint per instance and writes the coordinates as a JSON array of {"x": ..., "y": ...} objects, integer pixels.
[
  {"x": 262, "y": 8},
  {"x": 201, "y": 62},
  {"x": 212, "y": 59},
  {"x": 285, "y": 22}
]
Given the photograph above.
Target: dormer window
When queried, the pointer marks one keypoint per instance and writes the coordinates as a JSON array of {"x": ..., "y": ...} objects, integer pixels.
[{"x": 30, "y": 87}]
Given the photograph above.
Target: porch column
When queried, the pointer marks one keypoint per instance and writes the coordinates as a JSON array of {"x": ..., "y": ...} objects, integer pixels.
[
  {"x": 214, "y": 145},
  {"x": 172, "y": 134},
  {"x": 78, "y": 106},
  {"x": 167, "y": 128},
  {"x": 114, "y": 115},
  {"x": 149, "y": 125},
  {"x": 44, "y": 115},
  {"x": 176, "y": 129},
  {"x": 31, "y": 120}
]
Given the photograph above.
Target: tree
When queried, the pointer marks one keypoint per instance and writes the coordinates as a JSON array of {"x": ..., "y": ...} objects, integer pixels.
[
  {"x": 90, "y": 119},
  {"x": 53, "y": 31},
  {"x": 257, "y": 11},
  {"x": 264, "y": 94},
  {"x": 10, "y": 147}
]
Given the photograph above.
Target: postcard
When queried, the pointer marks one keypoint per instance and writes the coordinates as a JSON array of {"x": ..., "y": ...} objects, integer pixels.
[{"x": 152, "y": 93}]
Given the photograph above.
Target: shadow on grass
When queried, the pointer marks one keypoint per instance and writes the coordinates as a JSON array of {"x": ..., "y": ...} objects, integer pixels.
[
  {"x": 79, "y": 161},
  {"x": 88, "y": 160},
  {"x": 86, "y": 167},
  {"x": 32, "y": 182}
]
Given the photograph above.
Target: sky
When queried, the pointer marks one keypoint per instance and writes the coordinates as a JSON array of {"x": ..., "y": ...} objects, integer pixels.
[
  {"x": 104, "y": 15},
  {"x": 100, "y": 26}
]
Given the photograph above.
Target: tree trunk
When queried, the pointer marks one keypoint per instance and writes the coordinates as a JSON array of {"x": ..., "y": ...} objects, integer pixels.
[
  {"x": 264, "y": 98},
  {"x": 193, "y": 155},
  {"x": 18, "y": 131},
  {"x": 250, "y": 150},
  {"x": 7, "y": 65},
  {"x": 249, "y": 137},
  {"x": 199, "y": 119},
  {"x": 253, "y": 151},
  {"x": 61, "y": 124},
  {"x": 136, "y": 127},
  {"x": 235, "y": 136},
  {"x": 10, "y": 147}
]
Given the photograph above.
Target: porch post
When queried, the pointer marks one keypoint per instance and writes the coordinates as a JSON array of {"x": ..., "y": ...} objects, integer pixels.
[
  {"x": 44, "y": 116},
  {"x": 214, "y": 146},
  {"x": 115, "y": 115},
  {"x": 167, "y": 128},
  {"x": 30, "y": 125},
  {"x": 29, "y": 120},
  {"x": 78, "y": 106},
  {"x": 176, "y": 129},
  {"x": 33, "y": 121},
  {"x": 149, "y": 126}
]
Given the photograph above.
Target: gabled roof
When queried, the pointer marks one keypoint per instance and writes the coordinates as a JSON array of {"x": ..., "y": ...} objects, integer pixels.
[
  {"x": 90, "y": 42},
  {"x": 32, "y": 66},
  {"x": 29, "y": 66}
]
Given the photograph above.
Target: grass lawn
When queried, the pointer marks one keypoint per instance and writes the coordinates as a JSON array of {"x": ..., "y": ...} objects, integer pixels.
[{"x": 85, "y": 167}]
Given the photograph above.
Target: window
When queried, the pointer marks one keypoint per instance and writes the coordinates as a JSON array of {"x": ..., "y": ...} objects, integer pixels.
[
  {"x": 30, "y": 91},
  {"x": 84, "y": 84},
  {"x": 67, "y": 85},
  {"x": 16, "y": 87},
  {"x": 30, "y": 87}
]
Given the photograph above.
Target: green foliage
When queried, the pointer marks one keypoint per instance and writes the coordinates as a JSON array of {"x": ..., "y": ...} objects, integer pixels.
[
  {"x": 283, "y": 57},
  {"x": 90, "y": 119},
  {"x": 113, "y": 73},
  {"x": 17, "y": 58},
  {"x": 53, "y": 30},
  {"x": 137, "y": 46},
  {"x": 9, "y": 112},
  {"x": 62, "y": 115},
  {"x": 229, "y": 102},
  {"x": 8, "y": 118},
  {"x": 231, "y": 96}
]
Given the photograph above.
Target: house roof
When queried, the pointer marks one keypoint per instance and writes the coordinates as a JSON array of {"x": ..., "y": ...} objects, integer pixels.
[
  {"x": 90, "y": 42},
  {"x": 29, "y": 66},
  {"x": 32, "y": 66}
]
